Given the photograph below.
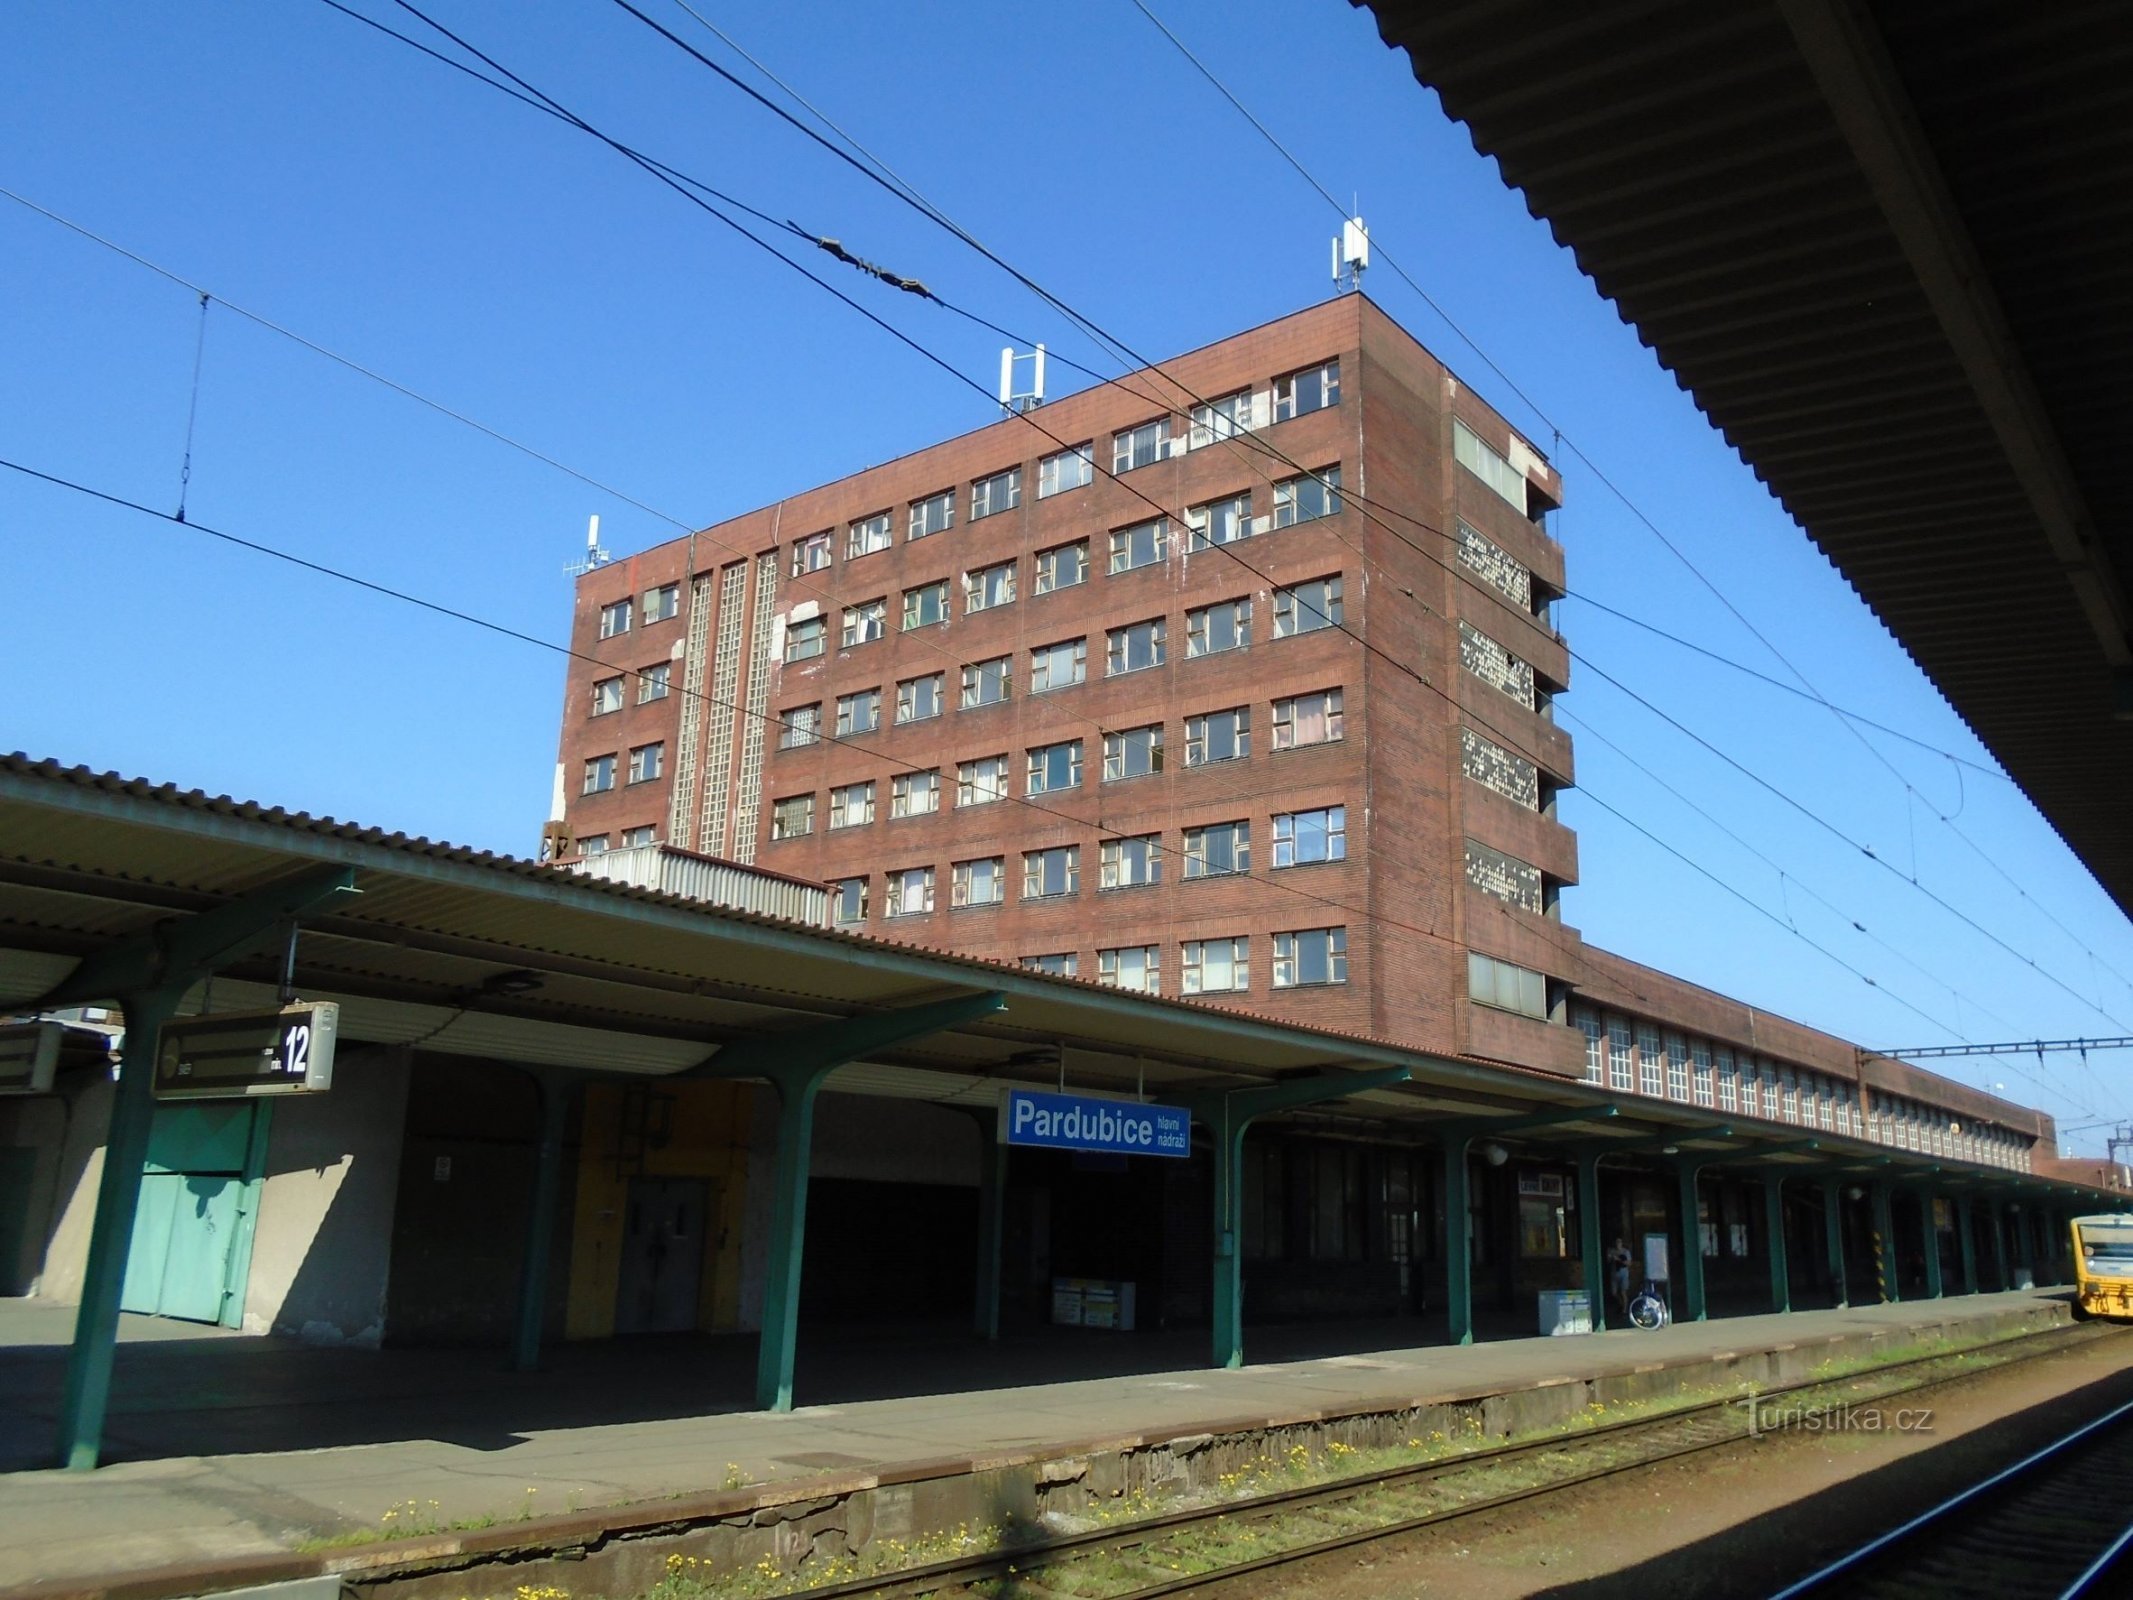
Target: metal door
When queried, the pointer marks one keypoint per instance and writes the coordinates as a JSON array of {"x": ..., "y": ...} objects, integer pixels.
[
  {"x": 662, "y": 1263},
  {"x": 185, "y": 1224}
]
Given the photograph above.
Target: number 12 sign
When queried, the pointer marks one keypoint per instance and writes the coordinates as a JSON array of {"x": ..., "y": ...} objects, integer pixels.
[{"x": 232, "y": 1055}]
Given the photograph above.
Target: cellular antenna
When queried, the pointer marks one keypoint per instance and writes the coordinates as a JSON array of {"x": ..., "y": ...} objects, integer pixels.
[
  {"x": 1351, "y": 256},
  {"x": 1018, "y": 394},
  {"x": 596, "y": 553}
]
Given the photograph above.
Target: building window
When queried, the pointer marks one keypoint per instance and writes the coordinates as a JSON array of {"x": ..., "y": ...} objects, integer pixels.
[
  {"x": 1141, "y": 545},
  {"x": 800, "y": 726},
  {"x": 1306, "y": 719},
  {"x": 811, "y": 554},
  {"x": 918, "y": 698},
  {"x": 858, "y": 713},
  {"x": 1621, "y": 1062},
  {"x": 1132, "y": 863},
  {"x": 1218, "y": 850},
  {"x": 597, "y": 845},
  {"x": 987, "y": 683},
  {"x": 1216, "y": 966},
  {"x": 1218, "y": 736},
  {"x": 1306, "y": 836},
  {"x": 1220, "y": 521},
  {"x": 1677, "y": 1067},
  {"x": 1133, "y": 753},
  {"x": 1069, "y": 469},
  {"x": 865, "y": 622},
  {"x": 915, "y": 794},
  {"x": 1595, "y": 1046},
  {"x": 1000, "y": 492},
  {"x": 614, "y": 619},
  {"x": 1064, "y": 965},
  {"x": 1313, "y": 389},
  {"x": 926, "y": 605},
  {"x": 645, "y": 833},
  {"x": 1062, "y": 566},
  {"x": 1751, "y": 1103},
  {"x": 654, "y": 682},
  {"x": 848, "y": 901},
  {"x": 1728, "y": 1081},
  {"x": 1651, "y": 1062},
  {"x": 1221, "y": 419},
  {"x": 1058, "y": 666},
  {"x": 599, "y": 775},
  {"x": 852, "y": 805},
  {"x": 1306, "y": 499},
  {"x": 1137, "y": 967},
  {"x": 934, "y": 514},
  {"x": 1140, "y": 447},
  {"x": 793, "y": 817},
  {"x": 866, "y": 536},
  {"x": 805, "y": 638},
  {"x": 1485, "y": 462},
  {"x": 1490, "y": 982},
  {"x": 908, "y": 893},
  {"x": 1496, "y": 568},
  {"x": 1226, "y": 625},
  {"x": 981, "y": 782},
  {"x": 661, "y": 603},
  {"x": 1310, "y": 955},
  {"x": 1307, "y": 607},
  {"x": 978, "y": 883},
  {"x": 607, "y": 696},
  {"x": 1700, "y": 1067},
  {"x": 1049, "y": 873},
  {"x": 1054, "y": 766},
  {"x": 989, "y": 587},
  {"x": 1137, "y": 646}
]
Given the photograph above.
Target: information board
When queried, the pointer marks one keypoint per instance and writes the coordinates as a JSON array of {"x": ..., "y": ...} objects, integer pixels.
[
  {"x": 1083, "y": 1122},
  {"x": 29, "y": 1054},
  {"x": 233, "y": 1055}
]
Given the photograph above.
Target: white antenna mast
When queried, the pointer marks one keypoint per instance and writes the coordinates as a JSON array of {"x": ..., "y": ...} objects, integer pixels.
[
  {"x": 1020, "y": 399},
  {"x": 1351, "y": 256},
  {"x": 596, "y": 554}
]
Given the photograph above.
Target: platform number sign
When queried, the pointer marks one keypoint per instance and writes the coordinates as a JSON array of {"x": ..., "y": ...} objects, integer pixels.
[{"x": 233, "y": 1055}]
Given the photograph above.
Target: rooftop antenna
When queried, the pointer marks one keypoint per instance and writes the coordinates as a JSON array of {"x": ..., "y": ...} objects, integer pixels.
[
  {"x": 1018, "y": 399},
  {"x": 1351, "y": 256},
  {"x": 596, "y": 553}
]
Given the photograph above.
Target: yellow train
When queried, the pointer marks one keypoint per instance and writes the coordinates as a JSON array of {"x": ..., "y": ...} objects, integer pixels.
[{"x": 2103, "y": 1266}]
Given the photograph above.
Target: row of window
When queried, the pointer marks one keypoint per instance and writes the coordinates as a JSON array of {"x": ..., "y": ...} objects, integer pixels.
[
  {"x": 655, "y": 682},
  {"x": 1301, "y": 958},
  {"x": 656, "y": 605},
  {"x": 600, "y": 843},
  {"x": 647, "y": 762}
]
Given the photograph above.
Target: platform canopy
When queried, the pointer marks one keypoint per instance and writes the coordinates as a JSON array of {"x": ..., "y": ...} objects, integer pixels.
[{"x": 1883, "y": 244}]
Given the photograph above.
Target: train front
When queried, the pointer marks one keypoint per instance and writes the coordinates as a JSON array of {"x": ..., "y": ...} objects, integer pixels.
[{"x": 2103, "y": 1266}]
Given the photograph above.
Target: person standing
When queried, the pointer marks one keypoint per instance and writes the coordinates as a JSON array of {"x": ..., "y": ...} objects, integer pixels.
[{"x": 1618, "y": 1275}]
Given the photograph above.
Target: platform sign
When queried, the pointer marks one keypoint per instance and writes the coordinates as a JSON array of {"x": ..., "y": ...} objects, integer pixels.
[
  {"x": 29, "y": 1055},
  {"x": 1084, "y": 1122},
  {"x": 234, "y": 1055}
]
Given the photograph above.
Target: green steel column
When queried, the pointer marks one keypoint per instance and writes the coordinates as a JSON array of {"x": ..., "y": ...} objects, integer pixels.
[
  {"x": 118, "y": 1196},
  {"x": 1774, "y": 1232},
  {"x": 1929, "y": 1231},
  {"x": 1458, "y": 1248},
  {"x": 788, "y": 1235},
  {"x": 2002, "y": 1281},
  {"x": 1885, "y": 1244},
  {"x": 1966, "y": 1243},
  {"x": 540, "y": 1221},
  {"x": 1589, "y": 1247},
  {"x": 992, "y": 1198},
  {"x": 1833, "y": 1238},
  {"x": 1692, "y": 1305},
  {"x": 1228, "y": 1130}
]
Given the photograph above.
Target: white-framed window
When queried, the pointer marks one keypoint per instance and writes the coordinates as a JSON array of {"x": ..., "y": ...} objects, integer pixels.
[
  {"x": 1789, "y": 1085},
  {"x": 1728, "y": 1080},
  {"x": 1133, "y": 753},
  {"x": 1218, "y": 849},
  {"x": 1136, "y": 646},
  {"x": 597, "y": 845},
  {"x": 1751, "y": 1089},
  {"x": 1066, "y": 964},
  {"x": 1305, "y": 836},
  {"x": 1131, "y": 863},
  {"x": 1306, "y": 499},
  {"x": 915, "y": 794},
  {"x": 1222, "y": 418},
  {"x": 1058, "y": 666},
  {"x": 1307, "y": 719},
  {"x": 599, "y": 775},
  {"x": 806, "y": 638},
  {"x": 1049, "y": 873},
  {"x": 991, "y": 495},
  {"x": 1677, "y": 1067},
  {"x": 1700, "y": 1066},
  {"x": 1307, "y": 607},
  {"x": 1487, "y": 463},
  {"x": 1621, "y": 1056},
  {"x": 934, "y": 514},
  {"x": 645, "y": 833},
  {"x": 1313, "y": 389},
  {"x": 852, "y": 805},
  {"x": 1595, "y": 1033},
  {"x": 1220, "y": 521},
  {"x": 1225, "y": 625},
  {"x": 865, "y": 622},
  {"x": 908, "y": 893},
  {"x": 1490, "y": 982},
  {"x": 988, "y": 587},
  {"x": 661, "y": 603},
  {"x": 1136, "y": 967},
  {"x": 1141, "y": 545},
  {"x": 926, "y": 605},
  {"x": 981, "y": 782},
  {"x": 982, "y": 882},
  {"x": 799, "y": 726},
  {"x": 919, "y": 698},
  {"x": 1141, "y": 446},
  {"x": 607, "y": 696},
  {"x": 987, "y": 683},
  {"x": 655, "y": 682},
  {"x": 1069, "y": 469},
  {"x": 614, "y": 618},
  {"x": 1062, "y": 566},
  {"x": 867, "y": 535},
  {"x": 1053, "y": 767},
  {"x": 859, "y": 712},
  {"x": 1651, "y": 1062},
  {"x": 792, "y": 817},
  {"x": 1224, "y": 735},
  {"x": 811, "y": 554},
  {"x": 848, "y": 902},
  {"x": 1310, "y": 956},
  {"x": 1215, "y": 966}
]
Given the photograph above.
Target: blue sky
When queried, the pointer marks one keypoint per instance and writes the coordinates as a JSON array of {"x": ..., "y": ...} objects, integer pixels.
[{"x": 307, "y": 169}]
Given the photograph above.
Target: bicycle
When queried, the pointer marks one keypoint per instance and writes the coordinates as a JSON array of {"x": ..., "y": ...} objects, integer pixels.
[{"x": 1647, "y": 1307}]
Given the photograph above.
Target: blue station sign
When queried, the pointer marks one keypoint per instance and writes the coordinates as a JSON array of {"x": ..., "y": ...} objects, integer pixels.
[{"x": 1082, "y": 1122}]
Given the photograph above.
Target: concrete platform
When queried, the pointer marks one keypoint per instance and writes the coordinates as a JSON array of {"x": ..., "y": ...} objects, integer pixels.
[{"x": 292, "y": 1445}]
